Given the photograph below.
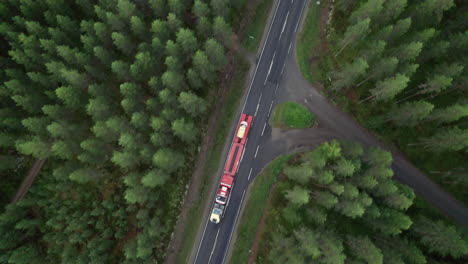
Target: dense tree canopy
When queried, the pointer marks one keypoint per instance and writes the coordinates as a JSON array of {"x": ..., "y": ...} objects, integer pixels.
[
  {"x": 346, "y": 219},
  {"x": 113, "y": 94},
  {"x": 404, "y": 62}
]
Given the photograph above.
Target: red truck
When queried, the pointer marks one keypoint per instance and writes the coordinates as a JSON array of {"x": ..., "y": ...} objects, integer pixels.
[{"x": 230, "y": 169}]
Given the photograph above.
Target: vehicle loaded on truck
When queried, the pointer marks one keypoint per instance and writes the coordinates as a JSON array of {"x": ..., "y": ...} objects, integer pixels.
[{"x": 230, "y": 169}]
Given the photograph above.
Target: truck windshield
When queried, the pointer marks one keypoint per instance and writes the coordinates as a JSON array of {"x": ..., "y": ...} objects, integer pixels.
[
  {"x": 217, "y": 211},
  {"x": 221, "y": 199}
]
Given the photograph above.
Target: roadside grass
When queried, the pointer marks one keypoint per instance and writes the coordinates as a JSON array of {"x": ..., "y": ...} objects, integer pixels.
[
  {"x": 254, "y": 31},
  {"x": 228, "y": 111},
  {"x": 309, "y": 41},
  {"x": 292, "y": 115},
  {"x": 254, "y": 206}
]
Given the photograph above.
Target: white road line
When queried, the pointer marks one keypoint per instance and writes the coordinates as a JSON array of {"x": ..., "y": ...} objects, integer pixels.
[
  {"x": 249, "y": 174},
  {"x": 289, "y": 49},
  {"x": 232, "y": 230},
  {"x": 214, "y": 246},
  {"x": 299, "y": 20},
  {"x": 258, "y": 105},
  {"x": 269, "y": 70},
  {"x": 271, "y": 105},
  {"x": 260, "y": 98},
  {"x": 261, "y": 54},
  {"x": 263, "y": 131},
  {"x": 199, "y": 246},
  {"x": 282, "y": 69},
  {"x": 295, "y": 30},
  {"x": 276, "y": 87},
  {"x": 284, "y": 25},
  {"x": 256, "y": 151}
]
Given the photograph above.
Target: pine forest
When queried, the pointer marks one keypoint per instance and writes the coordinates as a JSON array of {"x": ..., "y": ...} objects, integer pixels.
[
  {"x": 399, "y": 67},
  {"x": 113, "y": 94}
]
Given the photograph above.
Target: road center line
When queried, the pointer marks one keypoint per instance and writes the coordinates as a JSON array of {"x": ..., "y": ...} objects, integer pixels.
[
  {"x": 276, "y": 87},
  {"x": 256, "y": 151},
  {"x": 256, "y": 110},
  {"x": 232, "y": 230},
  {"x": 289, "y": 49},
  {"x": 260, "y": 98},
  {"x": 263, "y": 131},
  {"x": 269, "y": 69},
  {"x": 249, "y": 174},
  {"x": 214, "y": 246},
  {"x": 282, "y": 69},
  {"x": 261, "y": 54},
  {"x": 284, "y": 25}
]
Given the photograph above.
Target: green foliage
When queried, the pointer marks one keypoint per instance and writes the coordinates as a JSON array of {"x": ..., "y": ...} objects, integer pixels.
[
  {"x": 297, "y": 196},
  {"x": 440, "y": 238},
  {"x": 291, "y": 115},
  {"x": 451, "y": 139},
  {"x": 349, "y": 74},
  {"x": 410, "y": 113},
  {"x": 112, "y": 94},
  {"x": 414, "y": 51},
  {"x": 338, "y": 221}
]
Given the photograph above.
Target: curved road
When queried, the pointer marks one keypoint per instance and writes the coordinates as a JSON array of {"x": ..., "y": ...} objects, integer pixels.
[{"x": 276, "y": 79}]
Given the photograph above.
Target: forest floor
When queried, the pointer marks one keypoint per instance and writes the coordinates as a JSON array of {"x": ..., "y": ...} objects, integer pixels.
[{"x": 28, "y": 180}]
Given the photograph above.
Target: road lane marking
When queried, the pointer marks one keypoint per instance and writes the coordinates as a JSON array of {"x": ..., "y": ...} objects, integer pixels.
[
  {"x": 249, "y": 174},
  {"x": 282, "y": 69},
  {"x": 214, "y": 246},
  {"x": 263, "y": 131},
  {"x": 289, "y": 49},
  {"x": 284, "y": 25},
  {"x": 271, "y": 105},
  {"x": 276, "y": 87},
  {"x": 201, "y": 242},
  {"x": 269, "y": 69},
  {"x": 232, "y": 230},
  {"x": 295, "y": 30},
  {"x": 300, "y": 16},
  {"x": 260, "y": 98},
  {"x": 261, "y": 54},
  {"x": 256, "y": 151},
  {"x": 258, "y": 105}
]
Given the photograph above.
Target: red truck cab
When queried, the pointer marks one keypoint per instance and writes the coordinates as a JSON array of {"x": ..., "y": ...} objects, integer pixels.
[{"x": 224, "y": 189}]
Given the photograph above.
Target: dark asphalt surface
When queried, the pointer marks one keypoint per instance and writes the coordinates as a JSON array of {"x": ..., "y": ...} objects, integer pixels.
[
  {"x": 270, "y": 85},
  {"x": 259, "y": 102}
]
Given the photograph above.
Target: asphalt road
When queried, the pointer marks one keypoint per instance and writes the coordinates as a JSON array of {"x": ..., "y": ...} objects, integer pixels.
[
  {"x": 277, "y": 79},
  {"x": 259, "y": 102}
]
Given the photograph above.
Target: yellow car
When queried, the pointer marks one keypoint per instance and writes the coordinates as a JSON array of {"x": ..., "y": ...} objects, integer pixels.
[{"x": 242, "y": 128}]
